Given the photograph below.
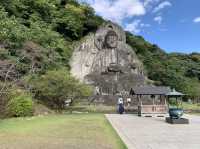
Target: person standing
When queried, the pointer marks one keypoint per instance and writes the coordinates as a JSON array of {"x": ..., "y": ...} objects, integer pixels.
[
  {"x": 120, "y": 105},
  {"x": 129, "y": 101}
]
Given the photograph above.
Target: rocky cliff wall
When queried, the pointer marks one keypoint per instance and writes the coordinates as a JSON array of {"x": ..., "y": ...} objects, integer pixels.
[{"x": 104, "y": 60}]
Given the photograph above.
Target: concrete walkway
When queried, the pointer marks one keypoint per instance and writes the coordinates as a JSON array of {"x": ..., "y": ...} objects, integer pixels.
[{"x": 154, "y": 133}]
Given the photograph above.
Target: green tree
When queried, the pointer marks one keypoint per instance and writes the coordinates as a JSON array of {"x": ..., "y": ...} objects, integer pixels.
[
  {"x": 56, "y": 86},
  {"x": 11, "y": 31}
]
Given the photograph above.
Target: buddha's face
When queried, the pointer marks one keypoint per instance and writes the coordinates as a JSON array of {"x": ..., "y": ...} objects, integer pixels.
[{"x": 111, "y": 39}]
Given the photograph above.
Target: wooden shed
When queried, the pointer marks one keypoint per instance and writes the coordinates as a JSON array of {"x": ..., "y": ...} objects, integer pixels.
[{"x": 151, "y": 100}]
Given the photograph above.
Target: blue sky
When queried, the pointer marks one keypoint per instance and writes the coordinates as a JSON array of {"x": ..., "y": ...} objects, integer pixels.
[{"x": 174, "y": 25}]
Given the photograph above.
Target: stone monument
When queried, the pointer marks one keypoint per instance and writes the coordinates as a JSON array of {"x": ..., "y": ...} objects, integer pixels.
[{"x": 104, "y": 60}]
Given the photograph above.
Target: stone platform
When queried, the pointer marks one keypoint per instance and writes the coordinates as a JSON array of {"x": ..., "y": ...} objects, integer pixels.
[
  {"x": 155, "y": 133},
  {"x": 177, "y": 121}
]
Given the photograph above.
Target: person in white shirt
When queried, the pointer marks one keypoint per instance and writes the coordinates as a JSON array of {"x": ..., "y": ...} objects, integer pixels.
[
  {"x": 120, "y": 100},
  {"x": 120, "y": 105},
  {"x": 129, "y": 101}
]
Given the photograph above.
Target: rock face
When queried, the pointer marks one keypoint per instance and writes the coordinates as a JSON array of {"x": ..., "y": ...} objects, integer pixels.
[{"x": 105, "y": 61}]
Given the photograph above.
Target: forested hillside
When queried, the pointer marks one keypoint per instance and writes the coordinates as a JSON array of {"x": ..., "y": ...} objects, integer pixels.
[
  {"x": 36, "y": 38},
  {"x": 39, "y": 33},
  {"x": 180, "y": 71}
]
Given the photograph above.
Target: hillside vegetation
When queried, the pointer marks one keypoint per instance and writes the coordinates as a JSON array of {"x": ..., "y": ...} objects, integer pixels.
[
  {"x": 36, "y": 38},
  {"x": 177, "y": 70}
]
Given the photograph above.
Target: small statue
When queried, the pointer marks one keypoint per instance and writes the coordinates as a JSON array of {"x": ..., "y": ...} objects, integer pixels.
[{"x": 97, "y": 90}]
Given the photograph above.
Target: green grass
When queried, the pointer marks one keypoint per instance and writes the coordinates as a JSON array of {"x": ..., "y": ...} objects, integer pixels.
[
  {"x": 190, "y": 106},
  {"x": 71, "y": 131},
  {"x": 92, "y": 109}
]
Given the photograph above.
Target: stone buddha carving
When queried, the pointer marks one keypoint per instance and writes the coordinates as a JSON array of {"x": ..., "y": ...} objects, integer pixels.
[
  {"x": 102, "y": 56},
  {"x": 108, "y": 49},
  {"x": 110, "y": 52}
]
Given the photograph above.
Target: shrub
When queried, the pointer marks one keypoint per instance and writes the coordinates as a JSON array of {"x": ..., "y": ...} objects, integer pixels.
[
  {"x": 3, "y": 100},
  {"x": 20, "y": 104},
  {"x": 57, "y": 86}
]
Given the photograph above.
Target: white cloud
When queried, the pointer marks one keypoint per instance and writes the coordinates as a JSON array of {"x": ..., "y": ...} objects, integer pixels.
[
  {"x": 162, "y": 6},
  {"x": 147, "y": 2},
  {"x": 133, "y": 26},
  {"x": 150, "y": 2},
  {"x": 158, "y": 19},
  {"x": 125, "y": 11},
  {"x": 117, "y": 10},
  {"x": 145, "y": 25},
  {"x": 196, "y": 20}
]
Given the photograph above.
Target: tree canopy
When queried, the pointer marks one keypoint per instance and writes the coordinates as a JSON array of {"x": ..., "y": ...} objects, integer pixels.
[{"x": 177, "y": 70}]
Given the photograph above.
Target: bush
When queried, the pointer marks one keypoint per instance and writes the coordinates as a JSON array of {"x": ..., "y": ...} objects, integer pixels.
[
  {"x": 20, "y": 104},
  {"x": 57, "y": 86}
]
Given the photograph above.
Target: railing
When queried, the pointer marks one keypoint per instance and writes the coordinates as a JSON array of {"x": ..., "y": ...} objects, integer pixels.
[{"x": 152, "y": 109}]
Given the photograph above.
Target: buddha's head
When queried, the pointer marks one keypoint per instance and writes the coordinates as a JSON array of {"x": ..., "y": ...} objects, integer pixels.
[{"x": 111, "y": 39}]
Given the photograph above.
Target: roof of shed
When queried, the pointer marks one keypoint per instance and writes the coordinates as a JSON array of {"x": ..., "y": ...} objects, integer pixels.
[
  {"x": 175, "y": 93},
  {"x": 151, "y": 90}
]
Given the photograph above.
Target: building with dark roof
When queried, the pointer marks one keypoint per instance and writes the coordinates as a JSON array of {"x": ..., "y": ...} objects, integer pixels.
[
  {"x": 151, "y": 90},
  {"x": 151, "y": 99}
]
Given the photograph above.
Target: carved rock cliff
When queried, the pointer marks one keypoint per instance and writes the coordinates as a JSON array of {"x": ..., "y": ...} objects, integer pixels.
[{"x": 104, "y": 60}]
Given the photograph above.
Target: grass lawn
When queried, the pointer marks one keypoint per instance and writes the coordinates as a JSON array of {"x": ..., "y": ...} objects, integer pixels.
[
  {"x": 188, "y": 106},
  {"x": 70, "y": 131},
  {"x": 92, "y": 109}
]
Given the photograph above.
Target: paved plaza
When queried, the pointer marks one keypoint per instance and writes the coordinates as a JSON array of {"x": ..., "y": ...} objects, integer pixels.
[{"x": 155, "y": 133}]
